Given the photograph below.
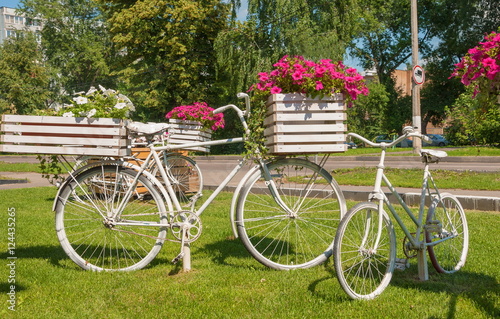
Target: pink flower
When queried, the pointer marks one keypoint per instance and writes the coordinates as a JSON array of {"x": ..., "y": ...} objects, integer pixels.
[
  {"x": 263, "y": 76},
  {"x": 275, "y": 90},
  {"x": 298, "y": 75}
]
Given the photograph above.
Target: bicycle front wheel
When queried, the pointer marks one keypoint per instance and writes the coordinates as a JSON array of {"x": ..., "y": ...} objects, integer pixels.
[
  {"x": 446, "y": 220},
  {"x": 298, "y": 231},
  {"x": 96, "y": 238},
  {"x": 365, "y": 251}
]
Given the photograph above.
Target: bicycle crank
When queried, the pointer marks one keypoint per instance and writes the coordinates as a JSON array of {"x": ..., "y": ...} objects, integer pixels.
[
  {"x": 186, "y": 226},
  {"x": 408, "y": 249}
]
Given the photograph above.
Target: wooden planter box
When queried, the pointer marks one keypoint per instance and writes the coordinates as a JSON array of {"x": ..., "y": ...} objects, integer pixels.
[
  {"x": 296, "y": 124},
  {"x": 184, "y": 132},
  {"x": 64, "y": 135}
]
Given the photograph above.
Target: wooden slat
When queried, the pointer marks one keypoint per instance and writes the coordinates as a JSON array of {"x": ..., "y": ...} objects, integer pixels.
[
  {"x": 58, "y": 140},
  {"x": 306, "y": 129},
  {"x": 61, "y": 135},
  {"x": 66, "y": 150},
  {"x": 302, "y": 107},
  {"x": 330, "y": 138},
  {"x": 61, "y": 120},
  {"x": 307, "y": 148},
  {"x": 299, "y": 98},
  {"x": 62, "y": 130},
  {"x": 310, "y": 118}
]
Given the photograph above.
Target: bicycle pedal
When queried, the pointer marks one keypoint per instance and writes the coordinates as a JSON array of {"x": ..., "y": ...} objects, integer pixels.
[
  {"x": 176, "y": 259},
  {"x": 401, "y": 264}
]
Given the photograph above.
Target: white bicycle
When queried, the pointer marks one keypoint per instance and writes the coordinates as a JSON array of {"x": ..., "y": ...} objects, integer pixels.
[
  {"x": 114, "y": 215},
  {"x": 365, "y": 243}
]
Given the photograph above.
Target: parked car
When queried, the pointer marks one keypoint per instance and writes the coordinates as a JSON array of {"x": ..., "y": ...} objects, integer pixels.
[
  {"x": 351, "y": 145},
  {"x": 388, "y": 139},
  {"x": 437, "y": 140}
]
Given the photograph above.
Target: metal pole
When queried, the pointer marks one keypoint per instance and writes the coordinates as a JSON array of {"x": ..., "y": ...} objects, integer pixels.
[{"x": 415, "y": 91}]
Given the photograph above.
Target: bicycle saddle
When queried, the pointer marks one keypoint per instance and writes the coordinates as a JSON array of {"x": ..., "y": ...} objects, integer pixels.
[
  {"x": 147, "y": 128},
  {"x": 432, "y": 156}
]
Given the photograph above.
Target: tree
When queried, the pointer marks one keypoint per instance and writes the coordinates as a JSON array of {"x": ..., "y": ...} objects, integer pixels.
[
  {"x": 167, "y": 56},
  {"x": 24, "y": 78},
  {"x": 459, "y": 25},
  {"x": 315, "y": 29},
  {"x": 75, "y": 43},
  {"x": 367, "y": 116}
]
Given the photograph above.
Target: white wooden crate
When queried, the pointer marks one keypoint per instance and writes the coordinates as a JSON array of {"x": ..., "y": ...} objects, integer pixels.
[
  {"x": 185, "y": 132},
  {"x": 63, "y": 135},
  {"x": 296, "y": 124}
]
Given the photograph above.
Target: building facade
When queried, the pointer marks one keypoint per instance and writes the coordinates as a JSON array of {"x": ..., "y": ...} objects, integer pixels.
[{"x": 12, "y": 23}]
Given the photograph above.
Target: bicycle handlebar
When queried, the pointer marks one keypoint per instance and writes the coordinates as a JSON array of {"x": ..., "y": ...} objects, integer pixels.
[
  {"x": 241, "y": 114},
  {"x": 408, "y": 131}
]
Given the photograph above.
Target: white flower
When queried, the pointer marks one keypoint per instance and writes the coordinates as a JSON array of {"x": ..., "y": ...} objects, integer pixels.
[
  {"x": 67, "y": 105},
  {"x": 80, "y": 100},
  {"x": 91, "y": 90},
  {"x": 91, "y": 113},
  {"x": 120, "y": 105},
  {"x": 102, "y": 88},
  {"x": 68, "y": 114}
]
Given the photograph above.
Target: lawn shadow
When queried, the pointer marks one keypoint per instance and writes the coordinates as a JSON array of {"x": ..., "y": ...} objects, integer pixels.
[
  {"x": 58, "y": 258},
  {"x": 223, "y": 250},
  {"x": 480, "y": 288}
]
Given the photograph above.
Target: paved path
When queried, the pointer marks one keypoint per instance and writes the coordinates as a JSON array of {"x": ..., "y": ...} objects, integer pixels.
[{"x": 216, "y": 168}]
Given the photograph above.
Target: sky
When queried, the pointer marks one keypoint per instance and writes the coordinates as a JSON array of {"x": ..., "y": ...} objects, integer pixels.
[{"x": 9, "y": 3}]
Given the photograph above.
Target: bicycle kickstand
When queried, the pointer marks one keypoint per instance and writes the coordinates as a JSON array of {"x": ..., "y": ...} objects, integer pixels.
[{"x": 181, "y": 254}]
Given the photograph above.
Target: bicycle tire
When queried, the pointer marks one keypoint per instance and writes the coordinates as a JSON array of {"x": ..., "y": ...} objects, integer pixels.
[
  {"x": 274, "y": 237},
  {"x": 184, "y": 175},
  {"x": 450, "y": 255},
  {"x": 86, "y": 232},
  {"x": 362, "y": 271}
]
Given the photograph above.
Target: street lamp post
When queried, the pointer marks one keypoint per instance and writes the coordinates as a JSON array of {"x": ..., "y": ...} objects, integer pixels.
[{"x": 415, "y": 90}]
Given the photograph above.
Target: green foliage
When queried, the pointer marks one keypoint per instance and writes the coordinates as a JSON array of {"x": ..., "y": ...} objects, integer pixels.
[
  {"x": 75, "y": 43},
  {"x": 367, "y": 116},
  {"x": 474, "y": 121},
  {"x": 104, "y": 103},
  {"x": 168, "y": 57},
  {"x": 24, "y": 77}
]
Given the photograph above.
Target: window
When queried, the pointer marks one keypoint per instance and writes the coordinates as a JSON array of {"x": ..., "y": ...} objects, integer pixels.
[
  {"x": 9, "y": 19},
  {"x": 11, "y": 33}
]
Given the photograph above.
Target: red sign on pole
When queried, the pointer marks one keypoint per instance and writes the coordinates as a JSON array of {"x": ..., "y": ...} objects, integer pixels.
[{"x": 418, "y": 74}]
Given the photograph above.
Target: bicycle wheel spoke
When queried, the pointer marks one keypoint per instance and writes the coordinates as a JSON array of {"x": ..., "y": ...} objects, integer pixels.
[
  {"x": 449, "y": 255},
  {"x": 298, "y": 230},
  {"x": 363, "y": 266},
  {"x": 91, "y": 230}
]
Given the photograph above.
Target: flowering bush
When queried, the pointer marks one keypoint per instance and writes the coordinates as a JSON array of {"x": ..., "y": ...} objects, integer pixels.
[
  {"x": 98, "y": 103},
  {"x": 298, "y": 75},
  {"x": 480, "y": 67},
  {"x": 198, "y": 112}
]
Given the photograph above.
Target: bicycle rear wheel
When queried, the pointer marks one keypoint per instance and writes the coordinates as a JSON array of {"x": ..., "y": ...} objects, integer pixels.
[
  {"x": 298, "y": 233},
  {"x": 446, "y": 219},
  {"x": 364, "y": 262},
  {"x": 90, "y": 235}
]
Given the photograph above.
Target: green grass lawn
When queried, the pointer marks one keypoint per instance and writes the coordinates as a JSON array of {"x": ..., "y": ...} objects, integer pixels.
[{"x": 226, "y": 282}]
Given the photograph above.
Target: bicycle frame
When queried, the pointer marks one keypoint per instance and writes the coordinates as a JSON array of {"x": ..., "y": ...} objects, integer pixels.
[{"x": 429, "y": 191}]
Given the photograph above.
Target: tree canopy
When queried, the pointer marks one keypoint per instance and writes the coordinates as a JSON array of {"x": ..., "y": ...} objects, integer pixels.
[{"x": 167, "y": 55}]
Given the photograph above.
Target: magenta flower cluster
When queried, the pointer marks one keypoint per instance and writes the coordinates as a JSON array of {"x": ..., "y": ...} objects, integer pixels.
[
  {"x": 298, "y": 75},
  {"x": 198, "y": 112},
  {"x": 481, "y": 65}
]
